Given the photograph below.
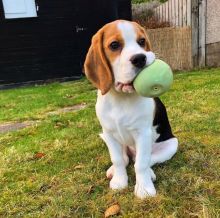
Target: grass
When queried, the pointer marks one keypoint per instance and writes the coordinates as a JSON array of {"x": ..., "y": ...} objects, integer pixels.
[{"x": 68, "y": 180}]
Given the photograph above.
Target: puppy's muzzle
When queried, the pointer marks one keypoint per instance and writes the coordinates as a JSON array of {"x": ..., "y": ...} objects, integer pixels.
[{"x": 138, "y": 60}]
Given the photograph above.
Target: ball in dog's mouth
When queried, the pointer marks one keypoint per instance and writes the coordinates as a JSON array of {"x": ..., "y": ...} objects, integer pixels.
[{"x": 124, "y": 87}]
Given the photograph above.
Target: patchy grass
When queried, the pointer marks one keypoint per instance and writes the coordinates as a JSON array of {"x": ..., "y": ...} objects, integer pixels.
[
  {"x": 34, "y": 102},
  {"x": 68, "y": 178}
]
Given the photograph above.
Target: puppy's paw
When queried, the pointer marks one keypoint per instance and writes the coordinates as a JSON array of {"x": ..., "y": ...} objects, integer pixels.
[
  {"x": 119, "y": 182},
  {"x": 146, "y": 189},
  {"x": 110, "y": 172}
]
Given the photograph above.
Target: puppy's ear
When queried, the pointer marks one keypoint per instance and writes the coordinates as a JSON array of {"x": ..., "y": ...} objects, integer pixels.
[
  {"x": 97, "y": 67},
  {"x": 148, "y": 44}
]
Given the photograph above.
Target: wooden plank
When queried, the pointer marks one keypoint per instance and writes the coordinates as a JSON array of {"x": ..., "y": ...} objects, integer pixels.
[
  {"x": 167, "y": 11},
  {"x": 177, "y": 12},
  {"x": 184, "y": 13},
  {"x": 202, "y": 32},
  {"x": 164, "y": 12},
  {"x": 156, "y": 13},
  {"x": 173, "y": 11},
  {"x": 180, "y": 13},
  {"x": 161, "y": 13},
  {"x": 195, "y": 31},
  {"x": 170, "y": 11},
  {"x": 188, "y": 10}
]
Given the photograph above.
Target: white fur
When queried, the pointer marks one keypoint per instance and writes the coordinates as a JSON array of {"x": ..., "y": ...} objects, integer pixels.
[{"x": 126, "y": 120}]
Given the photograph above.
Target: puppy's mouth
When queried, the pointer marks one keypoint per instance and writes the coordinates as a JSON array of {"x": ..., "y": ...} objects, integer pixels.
[{"x": 125, "y": 87}]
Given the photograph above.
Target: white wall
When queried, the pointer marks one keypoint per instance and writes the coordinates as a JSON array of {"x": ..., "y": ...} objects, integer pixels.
[{"x": 213, "y": 21}]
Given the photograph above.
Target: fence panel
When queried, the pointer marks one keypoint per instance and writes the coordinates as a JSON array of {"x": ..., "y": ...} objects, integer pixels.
[
  {"x": 173, "y": 45},
  {"x": 176, "y": 12}
]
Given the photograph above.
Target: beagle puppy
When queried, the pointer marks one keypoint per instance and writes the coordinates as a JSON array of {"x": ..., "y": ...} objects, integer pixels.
[{"x": 133, "y": 126}]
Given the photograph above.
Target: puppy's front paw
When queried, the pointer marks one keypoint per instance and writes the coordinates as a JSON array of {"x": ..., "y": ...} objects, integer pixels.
[
  {"x": 119, "y": 182},
  {"x": 143, "y": 190}
]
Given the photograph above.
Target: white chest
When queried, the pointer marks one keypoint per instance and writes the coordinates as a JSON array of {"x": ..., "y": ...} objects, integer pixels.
[{"x": 123, "y": 116}]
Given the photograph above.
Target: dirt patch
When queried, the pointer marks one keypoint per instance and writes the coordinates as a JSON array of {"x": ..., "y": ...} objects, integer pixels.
[
  {"x": 13, "y": 126},
  {"x": 68, "y": 109},
  {"x": 9, "y": 127}
]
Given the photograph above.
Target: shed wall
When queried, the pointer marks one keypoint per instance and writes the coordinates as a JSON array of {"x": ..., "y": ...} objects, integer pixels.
[{"x": 53, "y": 45}]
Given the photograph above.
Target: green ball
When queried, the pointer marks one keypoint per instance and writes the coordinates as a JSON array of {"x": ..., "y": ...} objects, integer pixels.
[{"x": 154, "y": 79}]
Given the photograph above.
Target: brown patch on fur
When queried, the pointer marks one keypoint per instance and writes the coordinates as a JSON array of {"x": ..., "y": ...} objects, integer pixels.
[
  {"x": 97, "y": 64},
  {"x": 112, "y": 33},
  {"x": 141, "y": 33},
  {"x": 97, "y": 67}
]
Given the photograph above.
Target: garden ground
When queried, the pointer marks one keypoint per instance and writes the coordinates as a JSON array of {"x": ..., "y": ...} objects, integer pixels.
[{"x": 56, "y": 166}]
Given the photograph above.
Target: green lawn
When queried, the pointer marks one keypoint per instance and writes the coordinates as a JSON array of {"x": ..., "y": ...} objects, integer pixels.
[{"x": 68, "y": 179}]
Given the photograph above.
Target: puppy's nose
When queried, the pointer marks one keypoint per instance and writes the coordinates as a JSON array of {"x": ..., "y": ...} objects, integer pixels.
[{"x": 138, "y": 60}]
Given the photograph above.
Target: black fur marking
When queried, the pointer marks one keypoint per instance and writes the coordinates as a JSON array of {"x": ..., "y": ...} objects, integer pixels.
[{"x": 161, "y": 121}]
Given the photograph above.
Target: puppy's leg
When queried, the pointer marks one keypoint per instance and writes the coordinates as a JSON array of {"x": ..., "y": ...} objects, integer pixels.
[
  {"x": 110, "y": 171},
  {"x": 163, "y": 151},
  {"x": 144, "y": 186},
  {"x": 120, "y": 178}
]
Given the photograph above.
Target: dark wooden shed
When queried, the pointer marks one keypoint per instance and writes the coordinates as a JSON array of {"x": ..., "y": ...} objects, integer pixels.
[{"x": 48, "y": 39}]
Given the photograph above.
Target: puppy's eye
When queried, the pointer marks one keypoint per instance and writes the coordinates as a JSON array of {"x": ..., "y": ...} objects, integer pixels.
[
  {"x": 141, "y": 42},
  {"x": 114, "y": 46}
]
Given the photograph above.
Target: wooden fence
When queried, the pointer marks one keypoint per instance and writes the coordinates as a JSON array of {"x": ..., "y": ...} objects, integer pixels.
[
  {"x": 176, "y": 12},
  {"x": 173, "y": 45},
  {"x": 181, "y": 13}
]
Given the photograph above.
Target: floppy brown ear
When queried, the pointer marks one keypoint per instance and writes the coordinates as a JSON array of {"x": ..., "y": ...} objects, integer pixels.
[{"x": 97, "y": 67}]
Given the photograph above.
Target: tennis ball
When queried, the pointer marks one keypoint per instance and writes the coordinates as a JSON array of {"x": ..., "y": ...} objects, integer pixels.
[{"x": 154, "y": 79}]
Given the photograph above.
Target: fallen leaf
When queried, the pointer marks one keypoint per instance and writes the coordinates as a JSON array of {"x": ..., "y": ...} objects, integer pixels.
[
  {"x": 39, "y": 155},
  {"x": 113, "y": 210},
  {"x": 80, "y": 125},
  {"x": 69, "y": 96},
  {"x": 45, "y": 187},
  {"x": 59, "y": 124},
  {"x": 91, "y": 189},
  {"x": 78, "y": 167}
]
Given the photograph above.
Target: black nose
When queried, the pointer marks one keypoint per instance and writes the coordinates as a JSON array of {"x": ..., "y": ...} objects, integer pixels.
[{"x": 138, "y": 60}]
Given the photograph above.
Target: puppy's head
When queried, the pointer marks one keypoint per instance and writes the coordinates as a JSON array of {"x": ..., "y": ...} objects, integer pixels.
[{"x": 118, "y": 52}]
